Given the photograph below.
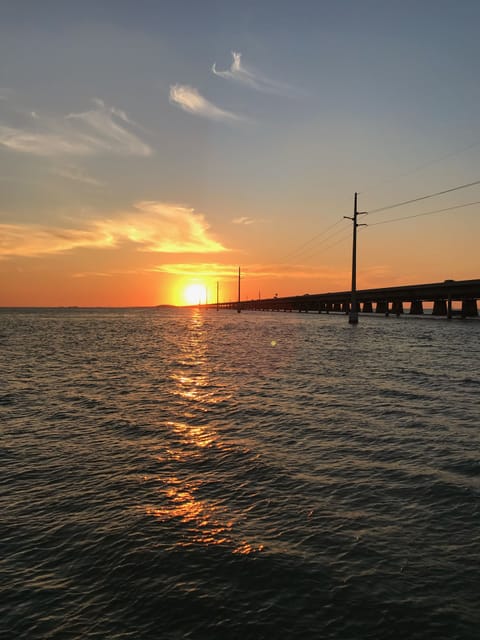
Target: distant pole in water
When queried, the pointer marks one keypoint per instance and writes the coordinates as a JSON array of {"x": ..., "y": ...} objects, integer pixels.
[
  {"x": 217, "y": 295},
  {"x": 238, "y": 305},
  {"x": 353, "y": 315}
]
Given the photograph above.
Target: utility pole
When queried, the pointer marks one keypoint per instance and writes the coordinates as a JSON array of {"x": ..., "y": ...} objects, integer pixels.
[
  {"x": 238, "y": 305},
  {"x": 217, "y": 295},
  {"x": 353, "y": 315}
]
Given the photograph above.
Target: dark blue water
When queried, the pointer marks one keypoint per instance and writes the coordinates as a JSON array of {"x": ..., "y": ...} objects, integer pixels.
[{"x": 191, "y": 474}]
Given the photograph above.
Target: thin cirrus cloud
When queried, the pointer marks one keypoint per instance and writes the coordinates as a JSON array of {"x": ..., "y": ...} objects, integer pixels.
[
  {"x": 226, "y": 271},
  {"x": 191, "y": 101},
  {"x": 250, "y": 77},
  {"x": 152, "y": 226},
  {"x": 243, "y": 220},
  {"x": 76, "y": 174},
  {"x": 100, "y": 130},
  {"x": 200, "y": 270}
]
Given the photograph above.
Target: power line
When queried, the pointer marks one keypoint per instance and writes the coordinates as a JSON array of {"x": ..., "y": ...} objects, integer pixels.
[
  {"x": 321, "y": 246},
  {"x": 300, "y": 250},
  {"x": 427, "y": 213},
  {"x": 430, "y": 195},
  {"x": 312, "y": 239},
  {"x": 422, "y": 166},
  {"x": 344, "y": 238}
]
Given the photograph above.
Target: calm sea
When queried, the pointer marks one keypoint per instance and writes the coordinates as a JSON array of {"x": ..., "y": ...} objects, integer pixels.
[{"x": 177, "y": 474}]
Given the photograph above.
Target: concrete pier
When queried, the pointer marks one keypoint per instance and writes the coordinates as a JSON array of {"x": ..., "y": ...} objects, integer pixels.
[
  {"x": 416, "y": 307},
  {"x": 397, "y": 307},
  {"x": 469, "y": 308},
  {"x": 439, "y": 308}
]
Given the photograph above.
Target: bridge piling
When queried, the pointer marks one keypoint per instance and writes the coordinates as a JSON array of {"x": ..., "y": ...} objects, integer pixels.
[
  {"x": 439, "y": 308},
  {"x": 416, "y": 308},
  {"x": 469, "y": 308}
]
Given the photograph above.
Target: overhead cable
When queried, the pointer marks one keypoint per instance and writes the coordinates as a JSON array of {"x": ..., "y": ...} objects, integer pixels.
[
  {"x": 427, "y": 213},
  {"x": 430, "y": 195}
]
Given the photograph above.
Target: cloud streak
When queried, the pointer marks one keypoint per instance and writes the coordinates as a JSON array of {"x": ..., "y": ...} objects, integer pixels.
[
  {"x": 102, "y": 130},
  {"x": 152, "y": 227},
  {"x": 72, "y": 172},
  {"x": 191, "y": 101},
  {"x": 200, "y": 270},
  {"x": 250, "y": 77},
  {"x": 243, "y": 220},
  {"x": 252, "y": 270}
]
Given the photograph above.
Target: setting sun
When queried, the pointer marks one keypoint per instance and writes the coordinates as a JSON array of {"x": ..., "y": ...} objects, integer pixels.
[{"x": 195, "y": 294}]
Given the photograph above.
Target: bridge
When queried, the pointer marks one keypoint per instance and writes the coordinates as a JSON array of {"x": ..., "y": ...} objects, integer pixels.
[{"x": 442, "y": 296}]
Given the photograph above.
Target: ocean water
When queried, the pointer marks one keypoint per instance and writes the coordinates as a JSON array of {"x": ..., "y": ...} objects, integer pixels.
[{"x": 191, "y": 474}]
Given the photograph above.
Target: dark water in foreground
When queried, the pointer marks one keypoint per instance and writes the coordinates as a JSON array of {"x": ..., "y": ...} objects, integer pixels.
[{"x": 176, "y": 474}]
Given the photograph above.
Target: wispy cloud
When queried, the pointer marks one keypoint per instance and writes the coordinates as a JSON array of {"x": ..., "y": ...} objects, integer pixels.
[
  {"x": 201, "y": 270},
  {"x": 191, "y": 101},
  {"x": 107, "y": 274},
  {"x": 103, "y": 129},
  {"x": 34, "y": 240},
  {"x": 250, "y": 77},
  {"x": 151, "y": 226},
  {"x": 226, "y": 271},
  {"x": 243, "y": 220},
  {"x": 77, "y": 174}
]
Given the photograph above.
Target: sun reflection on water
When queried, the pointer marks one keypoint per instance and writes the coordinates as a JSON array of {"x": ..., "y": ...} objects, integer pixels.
[
  {"x": 199, "y": 436},
  {"x": 205, "y": 521},
  {"x": 191, "y": 381}
]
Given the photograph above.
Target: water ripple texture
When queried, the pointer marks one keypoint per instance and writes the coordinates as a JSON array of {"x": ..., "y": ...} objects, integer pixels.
[{"x": 207, "y": 475}]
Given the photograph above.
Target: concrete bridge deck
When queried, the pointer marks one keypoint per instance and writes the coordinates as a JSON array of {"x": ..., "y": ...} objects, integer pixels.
[{"x": 388, "y": 300}]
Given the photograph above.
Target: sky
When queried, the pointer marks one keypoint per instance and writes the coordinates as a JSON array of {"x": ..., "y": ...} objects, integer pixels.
[{"x": 149, "y": 148}]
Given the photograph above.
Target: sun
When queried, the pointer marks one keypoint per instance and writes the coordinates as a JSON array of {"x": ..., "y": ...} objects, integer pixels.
[{"x": 195, "y": 294}]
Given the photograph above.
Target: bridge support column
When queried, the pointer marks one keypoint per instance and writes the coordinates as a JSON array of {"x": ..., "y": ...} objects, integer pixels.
[
  {"x": 397, "y": 307},
  {"x": 337, "y": 306},
  {"x": 367, "y": 307},
  {"x": 381, "y": 306},
  {"x": 469, "y": 308},
  {"x": 416, "y": 308},
  {"x": 328, "y": 307},
  {"x": 439, "y": 308},
  {"x": 345, "y": 307}
]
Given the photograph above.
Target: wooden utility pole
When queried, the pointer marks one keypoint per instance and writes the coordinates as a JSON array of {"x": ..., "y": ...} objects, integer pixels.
[
  {"x": 238, "y": 303},
  {"x": 353, "y": 315},
  {"x": 217, "y": 295}
]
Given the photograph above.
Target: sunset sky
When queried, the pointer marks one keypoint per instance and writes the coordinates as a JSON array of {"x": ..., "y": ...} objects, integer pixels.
[{"x": 147, "y": 147}]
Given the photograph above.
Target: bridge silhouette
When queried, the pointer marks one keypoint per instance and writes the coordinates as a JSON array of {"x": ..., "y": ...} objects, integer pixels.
[{"x": 388, "y": 300}]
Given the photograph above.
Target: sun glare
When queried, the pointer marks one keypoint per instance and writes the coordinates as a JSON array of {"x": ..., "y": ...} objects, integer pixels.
[{"x": 195, "y": 294}]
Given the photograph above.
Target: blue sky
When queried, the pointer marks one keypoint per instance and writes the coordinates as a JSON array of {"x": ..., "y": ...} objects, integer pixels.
[{"x": 111, "y": 116}]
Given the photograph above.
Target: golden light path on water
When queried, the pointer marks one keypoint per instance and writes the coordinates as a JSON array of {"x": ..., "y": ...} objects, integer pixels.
[{"x": 207, "y": 522}]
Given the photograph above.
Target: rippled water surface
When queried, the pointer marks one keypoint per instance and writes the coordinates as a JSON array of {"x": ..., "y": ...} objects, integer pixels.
[{"x": 189, "y": 474}]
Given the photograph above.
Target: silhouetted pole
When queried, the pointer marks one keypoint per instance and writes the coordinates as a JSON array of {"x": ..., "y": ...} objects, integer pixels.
[
  {"x": 217, "y": 295},
  {"x": 353, "y": 315},
  {"x": 238, "y": 306}
]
